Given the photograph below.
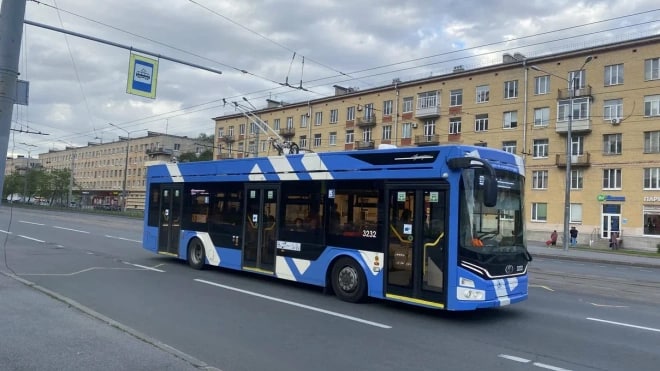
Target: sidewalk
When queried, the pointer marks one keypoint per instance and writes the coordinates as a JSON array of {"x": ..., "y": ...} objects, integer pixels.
[
  {"x": 539, "y": 249},
  {"x": 44, "y": 331}
]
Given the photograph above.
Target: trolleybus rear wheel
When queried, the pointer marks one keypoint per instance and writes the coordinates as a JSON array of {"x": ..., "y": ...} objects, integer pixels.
[
  {"x": 196, "y": 254},
  {"x": 348, "y": 280}
]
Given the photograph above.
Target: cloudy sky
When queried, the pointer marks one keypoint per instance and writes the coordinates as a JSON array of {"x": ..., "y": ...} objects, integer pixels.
[{"x": 78, "y": 86}]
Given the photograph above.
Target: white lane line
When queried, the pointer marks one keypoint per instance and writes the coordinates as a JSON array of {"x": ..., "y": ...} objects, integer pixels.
[
  {"x": 3, "y": 231},
  {"x": 543, "y": 287},
  {"x": 30, "y": 238},
  {"x": 124, "y": 239},
  {"x": 70, "y": 229},
  {"x": 514, "y": 358},
  {"x": 549, "y": 367},
  {"x": 145, "y": 267},
  {"x": 293, "y": 303},
  {"x": 78, "y": 272},
  {"x": 26, "y": 222},
  {"x": 608, "y": 305},
  {"x": 624, "y": 324}
]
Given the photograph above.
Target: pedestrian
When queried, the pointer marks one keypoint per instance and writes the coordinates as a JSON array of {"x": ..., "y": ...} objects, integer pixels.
[
  {"x": 574, "y": 234},
  {"x": 553, "y": 239}
]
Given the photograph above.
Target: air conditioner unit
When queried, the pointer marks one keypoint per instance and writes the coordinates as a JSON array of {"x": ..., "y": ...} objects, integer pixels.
[
  {"x": 414, "y": 125},
  {"x": 615, "y": 121}
]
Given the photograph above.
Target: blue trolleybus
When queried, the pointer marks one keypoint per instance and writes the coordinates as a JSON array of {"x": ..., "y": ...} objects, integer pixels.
[{"x": 438, "y": 226}]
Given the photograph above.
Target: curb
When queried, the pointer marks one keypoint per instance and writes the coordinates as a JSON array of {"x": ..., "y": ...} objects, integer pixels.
[{"x": 596, "y": 260}]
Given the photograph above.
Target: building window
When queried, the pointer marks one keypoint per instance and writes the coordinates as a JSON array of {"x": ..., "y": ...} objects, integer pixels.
[
  {"x": 651, "y": 215},
  {"x": 303, "y": 120},
  {"x": 542, "y": 85},
  {"x": 481, "y": 122},
  {"x": 652, "y": 178},
  {"x": 614, "y": 75},
  {"x": 317, "y": 140},
  {"x": 367, "y": 134},
  {"x": 350, "y": 113},
  {"x": 652, "y": 105},
  {"x": 454, "y": 125},
  {"x": 541, "y": 116},
  {"x": 510, "y": 119},
  {"x": 612, "y": 109},
  {"x": 540, "y": 147},
  {"x": 429, "y": 127},
  {"x": 540, "y": 179},
  {"x": 652, "y": 142},
  {"x": 511, "y": 89},
  {"x": 580, "y": 109},
  {"x": 350, "y": 137},
  {"x": 579, "y": 79},
  {"x": 334, "y": 116},
  {"x": 539, "y": 211},
  {"x": 276, "y": 124},
  {"x": 289, "y": 122},
  {"x": 509, "y": 146},
  {"x": 612, "y": 144},
  {"x": 406, "y": 130},
  {"x": 318, "y": 118},
  {"x": 221, "y": 133},
  {"x": 577, "y": 145},
  {"x": 652, "y": 69},
  {"x": 387, "y": 108},
  {"x": 368, "y": 110},
  {"x": 575, "y": 215},
  {"x": 333, "y": 138},
  {"x": 427, "y": 99},
  {"x": 456, "y": 98},
  {"x": 611, "y": 178},
  {"x": 303, "y": 141},
  {"x": 483, "y": 94},
  {"x": 576, "y": 178},
  {"x": 407, "y": 104},
  {"x": 387, "y": 132}
]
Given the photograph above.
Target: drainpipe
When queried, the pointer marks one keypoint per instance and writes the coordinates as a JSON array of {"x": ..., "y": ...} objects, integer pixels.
[
  {"x": 396, "y": 114},
  {"x": 524, "y": 151}
]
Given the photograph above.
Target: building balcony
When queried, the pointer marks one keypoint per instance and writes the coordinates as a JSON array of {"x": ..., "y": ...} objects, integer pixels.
[
  {"x": 227, "y": 139},
  {"x": 159, "y": 151},
  {"x": 577, "y": 126},
  {"x": 580, "y": 92},
  {"x": 427, "y": 140},
  {"x": 367, "y": 121},
  {"x": 287, "y": 132},
  {"x": 583, "y": 160},
  {"x": 365, "y": 144},
  {"x": 428, "y": 111},
  {"x": 224, "y": 156}
]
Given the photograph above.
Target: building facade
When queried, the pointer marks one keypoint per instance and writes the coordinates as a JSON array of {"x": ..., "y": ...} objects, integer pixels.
[
  {"x": 100, "y": 169},
  {"x": 608, "y": 95},
  {"x": 19, "y": 164}
]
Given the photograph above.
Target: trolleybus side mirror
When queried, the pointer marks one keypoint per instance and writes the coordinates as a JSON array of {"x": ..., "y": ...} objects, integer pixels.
[
  {"x": 490, "y": 191},
  {"x": 490, "y": 180}
]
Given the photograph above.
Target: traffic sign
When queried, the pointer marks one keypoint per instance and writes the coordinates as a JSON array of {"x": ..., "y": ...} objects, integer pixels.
[{"x": 142, "y": 76}]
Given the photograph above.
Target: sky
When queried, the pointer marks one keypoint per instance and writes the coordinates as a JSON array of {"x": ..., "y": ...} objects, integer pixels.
[{"x": 78, "y": 86}]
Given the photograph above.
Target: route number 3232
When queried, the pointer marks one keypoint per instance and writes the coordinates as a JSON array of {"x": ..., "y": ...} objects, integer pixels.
[{"x": 369, "y": 234}]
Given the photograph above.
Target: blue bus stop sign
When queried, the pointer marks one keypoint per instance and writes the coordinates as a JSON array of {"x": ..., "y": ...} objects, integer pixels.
[{"x": 142, "y": 76}]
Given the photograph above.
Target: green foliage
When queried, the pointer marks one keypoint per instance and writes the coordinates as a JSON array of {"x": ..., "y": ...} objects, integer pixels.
[{"x": 54, "y": 184}]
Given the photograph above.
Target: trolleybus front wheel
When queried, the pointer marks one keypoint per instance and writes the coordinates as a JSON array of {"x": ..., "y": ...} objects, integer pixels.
[
  {"x": 196, "y": 254},
  {"x": 348, "y": 280}
]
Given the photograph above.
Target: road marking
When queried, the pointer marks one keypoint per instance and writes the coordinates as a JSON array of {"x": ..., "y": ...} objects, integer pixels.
[
  {"x": 5, "y": 231},
  {"x": 26, "y": 222},
  {"x": 145, "y": 267},
  {"x": 124, "y": 239},
  {"x": 624, "y": 324},
  {"x": 70, "y": 229},
  {"x": 78, "y": 272},
  {"x": 549, "y": 367},
  {"x": 293, "y": 303},
  {"x": 608, "y": 305},
  {"x": 514, "y": 358},
  {"x": 30, "y": 238},
  {"x": 543, "y": 287}
]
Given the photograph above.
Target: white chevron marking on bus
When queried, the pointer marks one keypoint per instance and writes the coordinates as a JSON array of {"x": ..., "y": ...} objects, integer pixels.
[{"x": 293, "y": 303}]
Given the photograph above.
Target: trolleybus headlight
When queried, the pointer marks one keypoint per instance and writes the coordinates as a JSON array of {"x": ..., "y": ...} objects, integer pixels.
[
  {"x": 470, "y": 294},
  {"x": 462, "y": 281}
]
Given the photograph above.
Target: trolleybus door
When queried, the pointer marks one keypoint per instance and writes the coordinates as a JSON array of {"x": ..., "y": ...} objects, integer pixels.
[
  {"x": 260, "y": 229},
  {"x": 416, "y": 252},
  {"x": 170, "y": 219}
]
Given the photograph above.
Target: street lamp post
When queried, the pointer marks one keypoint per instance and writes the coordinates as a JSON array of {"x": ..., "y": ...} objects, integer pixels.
[
  {"x": 569, "y": 140},
  {"x": 123, "y": 187}
]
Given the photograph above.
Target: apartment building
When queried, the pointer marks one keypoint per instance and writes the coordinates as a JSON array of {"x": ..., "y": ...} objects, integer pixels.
[
  {"x": 608, "y": 94},
  {"x": 100, "y": 169},
  {"x": 19, "y": 164}
]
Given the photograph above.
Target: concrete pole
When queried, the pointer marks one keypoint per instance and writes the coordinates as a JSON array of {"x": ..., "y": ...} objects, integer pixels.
[{"x": 12, "y": 15}]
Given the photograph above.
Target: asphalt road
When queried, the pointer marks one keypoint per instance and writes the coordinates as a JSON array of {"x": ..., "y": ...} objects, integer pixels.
[{"x": 580, "y": 316}]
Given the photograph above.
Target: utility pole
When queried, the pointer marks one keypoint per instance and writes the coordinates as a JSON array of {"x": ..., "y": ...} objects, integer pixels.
[{"x": 12, "y": 15}]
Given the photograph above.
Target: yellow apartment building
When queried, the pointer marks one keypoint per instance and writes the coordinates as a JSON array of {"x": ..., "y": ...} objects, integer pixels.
[
  {"x": 100, "y": 169},
  {"x": 521, "y": 105}
]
